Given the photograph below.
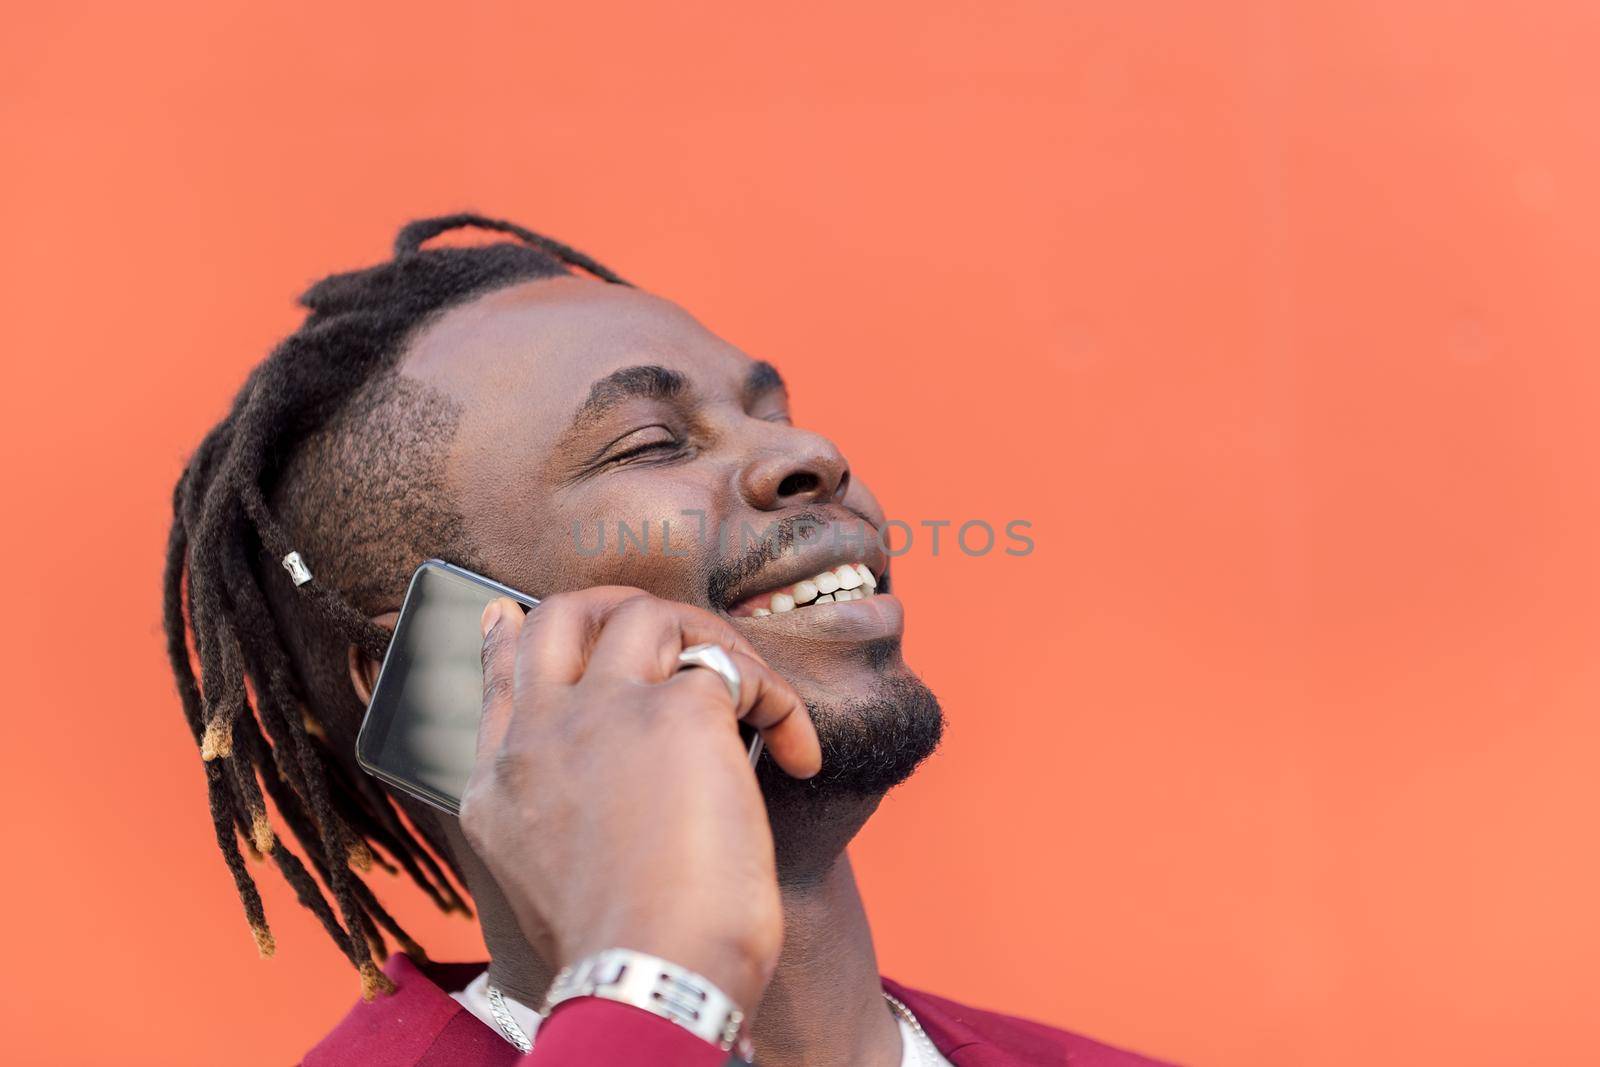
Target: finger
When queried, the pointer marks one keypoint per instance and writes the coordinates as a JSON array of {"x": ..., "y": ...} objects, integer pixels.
[
  {"x": 769, "y": 703},
  {"x": 642, "y": 636},
  {"x": 560, "y": 633},
  {"x": 501, "y": 623}
]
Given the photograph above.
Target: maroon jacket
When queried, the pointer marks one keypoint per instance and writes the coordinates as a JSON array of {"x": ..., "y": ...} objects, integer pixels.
[{"x": 421, "y": 1025}]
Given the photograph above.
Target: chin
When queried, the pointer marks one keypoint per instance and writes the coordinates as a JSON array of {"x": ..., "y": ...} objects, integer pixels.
[
  {"x": 872, "y": 740},
  {"x": 873, "y": 737},
  {"x": 842, "y": 674}
]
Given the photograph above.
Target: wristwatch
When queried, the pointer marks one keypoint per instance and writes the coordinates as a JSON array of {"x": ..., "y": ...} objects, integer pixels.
[{"x": 658, "y": 987}]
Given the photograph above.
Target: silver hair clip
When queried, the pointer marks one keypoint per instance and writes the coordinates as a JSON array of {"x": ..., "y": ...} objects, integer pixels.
[{"x": 296, "y": 566}]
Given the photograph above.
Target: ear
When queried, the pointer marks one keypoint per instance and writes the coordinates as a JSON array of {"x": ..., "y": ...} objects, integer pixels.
[{"x": 363, "y": 668}]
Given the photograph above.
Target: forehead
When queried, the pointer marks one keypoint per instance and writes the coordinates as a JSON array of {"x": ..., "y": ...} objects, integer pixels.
[{"x": 538, "y": 346}]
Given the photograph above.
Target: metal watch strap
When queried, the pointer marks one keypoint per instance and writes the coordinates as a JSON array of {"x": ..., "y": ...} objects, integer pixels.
[{"x": 658, "y": 987}]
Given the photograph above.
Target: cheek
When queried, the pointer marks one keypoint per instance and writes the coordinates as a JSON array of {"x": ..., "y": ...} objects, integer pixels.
[
  {"x": 657, "y": 535},
  {"x": 861, "y": 499}
]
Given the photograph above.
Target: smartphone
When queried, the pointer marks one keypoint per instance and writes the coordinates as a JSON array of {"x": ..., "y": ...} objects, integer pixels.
[{"x": 420, "y": 733}]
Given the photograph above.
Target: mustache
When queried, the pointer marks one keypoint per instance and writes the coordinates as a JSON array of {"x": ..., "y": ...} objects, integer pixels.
[{"x": 780, "y": 536}]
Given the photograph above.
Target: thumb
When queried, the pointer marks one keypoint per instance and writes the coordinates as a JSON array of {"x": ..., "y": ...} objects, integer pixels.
[{"x": 501, "y": 623}]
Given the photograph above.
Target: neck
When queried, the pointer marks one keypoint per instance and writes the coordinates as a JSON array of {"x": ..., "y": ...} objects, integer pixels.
[
  {"x": 825, "y": 1001},
  {"x": 824, "y": 1004}
]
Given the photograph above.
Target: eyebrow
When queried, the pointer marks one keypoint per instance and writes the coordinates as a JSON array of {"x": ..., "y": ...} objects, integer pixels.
[
  {"x": 648, "y": 382},
  {"x": 652, "y": 382},
  {"x": 762, "y": 377}
]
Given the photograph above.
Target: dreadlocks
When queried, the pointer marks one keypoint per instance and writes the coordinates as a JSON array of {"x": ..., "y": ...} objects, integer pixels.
[{"x": 310, "y": 422}]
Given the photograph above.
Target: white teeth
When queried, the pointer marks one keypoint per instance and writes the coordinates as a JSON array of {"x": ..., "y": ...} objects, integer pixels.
[{"x": 850, "y": 581}]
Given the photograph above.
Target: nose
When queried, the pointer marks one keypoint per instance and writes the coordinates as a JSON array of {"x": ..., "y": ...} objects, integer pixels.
[{"x": 806, "y": 468}]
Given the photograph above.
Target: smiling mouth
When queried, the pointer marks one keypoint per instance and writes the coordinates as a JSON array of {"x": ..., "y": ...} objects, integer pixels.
[{"x": 841, "y": 584}]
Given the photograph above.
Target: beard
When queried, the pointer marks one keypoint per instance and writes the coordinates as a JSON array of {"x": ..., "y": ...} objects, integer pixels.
[{"x": 869, "y": 746}]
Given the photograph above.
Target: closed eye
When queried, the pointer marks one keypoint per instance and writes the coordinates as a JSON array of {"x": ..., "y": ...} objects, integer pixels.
[
  {"x": 653, "y": 446},
  {"x": 649, "y": 440}
]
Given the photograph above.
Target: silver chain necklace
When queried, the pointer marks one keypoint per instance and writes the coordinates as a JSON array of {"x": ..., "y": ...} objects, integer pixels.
[
  {"x": 506, "y": 1021},
  {"x": 926, "y": 1051}
]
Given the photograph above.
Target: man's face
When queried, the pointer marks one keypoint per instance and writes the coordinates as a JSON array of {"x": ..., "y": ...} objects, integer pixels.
[{"x": 587, "y": 407}]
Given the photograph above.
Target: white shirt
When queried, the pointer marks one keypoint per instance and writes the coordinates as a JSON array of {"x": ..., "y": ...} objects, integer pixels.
[{"x": 915, "y": 1051}]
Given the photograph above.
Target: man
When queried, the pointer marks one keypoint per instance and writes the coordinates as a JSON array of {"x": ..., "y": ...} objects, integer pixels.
[{"x": 496, "y": 406}]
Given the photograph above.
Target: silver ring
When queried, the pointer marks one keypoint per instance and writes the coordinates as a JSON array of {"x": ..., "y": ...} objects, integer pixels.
[{"x": 714, "y": 658}]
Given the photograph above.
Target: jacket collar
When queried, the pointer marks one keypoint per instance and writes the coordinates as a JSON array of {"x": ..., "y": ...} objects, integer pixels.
[
  {"x": 434, "y": 1018},
  {"x": 954, "y": 1039}
]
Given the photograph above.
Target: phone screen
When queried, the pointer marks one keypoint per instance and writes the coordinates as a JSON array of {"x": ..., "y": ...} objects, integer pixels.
[
  {"x": 421, "y": 728},
  {"x": 420, "y": 733}
]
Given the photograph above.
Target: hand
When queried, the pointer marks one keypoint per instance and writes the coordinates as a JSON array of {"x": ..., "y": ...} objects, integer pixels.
[{"x": 612, "y": 798}]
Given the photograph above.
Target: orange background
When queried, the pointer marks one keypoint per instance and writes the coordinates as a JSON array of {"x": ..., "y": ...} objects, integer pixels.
[{"x": 1278, "y": 321}]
